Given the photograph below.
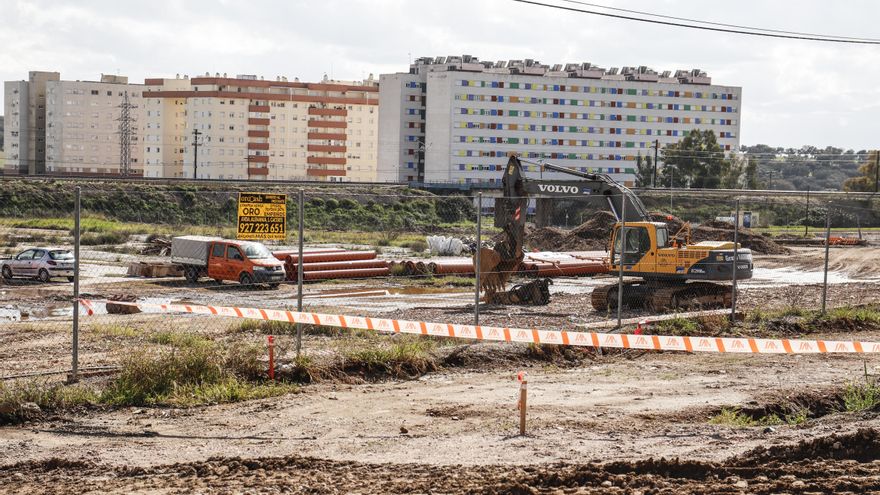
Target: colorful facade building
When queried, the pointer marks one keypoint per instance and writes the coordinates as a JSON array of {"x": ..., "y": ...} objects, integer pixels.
[{"x": 454, "y": 120}]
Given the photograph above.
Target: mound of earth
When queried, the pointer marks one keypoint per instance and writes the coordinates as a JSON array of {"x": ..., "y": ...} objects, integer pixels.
[{"x": 594, "y": 234}]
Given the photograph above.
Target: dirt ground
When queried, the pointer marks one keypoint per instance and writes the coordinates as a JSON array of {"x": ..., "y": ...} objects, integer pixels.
[{"x": 627, "y": 423}]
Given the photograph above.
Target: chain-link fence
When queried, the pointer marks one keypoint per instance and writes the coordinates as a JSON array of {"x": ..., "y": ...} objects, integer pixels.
[{"x": 408, "y": 255}]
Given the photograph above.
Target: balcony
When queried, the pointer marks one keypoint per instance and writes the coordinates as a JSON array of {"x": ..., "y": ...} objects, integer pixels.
[
  {"x": 258, "y": 159},
  {"x": 341, "y": 112},
  {"x": 320, "y": 172},
  {"x": 253, "y": 121},
  {"x": 258, "y": 108},
  {"x": 258, "y": 134},
  {"x": 326, "y": 135},
  {"x": 337, "y": 124},
  {"x": 258, "y": 146},
  {"x": 326, "y": 148},
  {"x": 325, "y": 160},
  {"x": 258, "y": 171}
]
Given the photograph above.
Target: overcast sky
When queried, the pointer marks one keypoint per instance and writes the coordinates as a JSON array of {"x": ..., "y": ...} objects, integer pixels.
[{"x": 794, "y": 92}]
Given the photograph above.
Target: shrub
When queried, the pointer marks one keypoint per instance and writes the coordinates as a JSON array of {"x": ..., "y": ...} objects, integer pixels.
[{"x": 418, "y": 246}]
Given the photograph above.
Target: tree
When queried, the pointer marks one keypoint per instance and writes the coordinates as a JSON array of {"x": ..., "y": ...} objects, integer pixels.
[
  {"x": 695, "y": 161},
  {"x": 867, "y": 181},
  {"x": 644, "y": 169},
  {"x": 732, "y": 172},
  {"x": 751, "y": 173}
]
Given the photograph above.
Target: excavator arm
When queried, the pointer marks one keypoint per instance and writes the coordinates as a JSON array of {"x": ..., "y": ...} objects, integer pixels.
[{"x": 498, "y": 264}]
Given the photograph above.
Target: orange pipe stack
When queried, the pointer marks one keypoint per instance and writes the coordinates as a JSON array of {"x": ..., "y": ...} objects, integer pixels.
[{"x": 333, "y": 263}]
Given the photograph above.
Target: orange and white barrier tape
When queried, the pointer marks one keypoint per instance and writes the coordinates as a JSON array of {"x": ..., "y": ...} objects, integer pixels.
[{"x": 531, "y": 336}]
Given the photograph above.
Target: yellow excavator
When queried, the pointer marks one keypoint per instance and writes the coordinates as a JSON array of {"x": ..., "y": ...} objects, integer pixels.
[{"x": 665, "y": 272}]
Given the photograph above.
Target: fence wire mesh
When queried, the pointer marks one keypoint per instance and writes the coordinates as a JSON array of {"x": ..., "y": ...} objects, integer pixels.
[{"x": 406, "y": 254}]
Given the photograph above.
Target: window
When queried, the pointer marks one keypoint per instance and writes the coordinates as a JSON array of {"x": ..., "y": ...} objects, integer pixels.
[{"x": 218, "y": 250}]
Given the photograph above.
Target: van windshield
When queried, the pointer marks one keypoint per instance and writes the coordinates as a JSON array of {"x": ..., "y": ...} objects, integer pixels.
[{"x": 256, "y": 251}]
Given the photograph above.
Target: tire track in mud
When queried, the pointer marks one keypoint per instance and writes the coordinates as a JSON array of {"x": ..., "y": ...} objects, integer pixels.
[{"x": 836, "y": 463}]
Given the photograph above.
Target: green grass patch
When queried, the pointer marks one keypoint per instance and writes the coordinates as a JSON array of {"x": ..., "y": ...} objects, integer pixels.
[
  {"x": 861, "y": 396},
  {"x": 187, "y": 376},
  {"x": 178, "y": 339},
  {"x": 403, "y": 358},
  {"x": 25, "y": 400},
  {"x": 678, "y": 326},
  {"x": 114, "y": 331},
  {"x": 734, "y": 417}
]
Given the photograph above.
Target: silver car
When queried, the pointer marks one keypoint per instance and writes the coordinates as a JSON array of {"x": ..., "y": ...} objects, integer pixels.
[{"x": 43, "y": 264}]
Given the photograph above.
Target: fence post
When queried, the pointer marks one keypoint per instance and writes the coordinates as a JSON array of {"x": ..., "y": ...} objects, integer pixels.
[
  {"x": 299, "y": 268},
  {"x": 620, "y": 260},
  {"x": 827, "y": 247},
  {"x": 74, "y": 367},
  {"x": 735, "y": 255},
  {"x": 477, "y": 259}
]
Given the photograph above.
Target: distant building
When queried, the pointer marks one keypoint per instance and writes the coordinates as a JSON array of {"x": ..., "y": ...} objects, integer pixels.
[
  {"x": 250, "y": 128},
  {"x": 60, "y": 127},
  {"x": 1, "y": 137},
  {"x": 456, "y": 119},
  {"x": 24, "y": 109}
]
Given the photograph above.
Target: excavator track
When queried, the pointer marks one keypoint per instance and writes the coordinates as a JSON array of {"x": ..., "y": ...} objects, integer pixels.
[
  {"x": 660, "y": 297},
  {"x": 605, "y": 297},
  {"x": 692, "y": 296}
]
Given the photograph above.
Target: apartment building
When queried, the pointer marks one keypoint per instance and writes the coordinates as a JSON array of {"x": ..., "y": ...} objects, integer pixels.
[
  {"x": 24, "y": 109},
  {"x": 61, "y": 127},
  {"x": 84, "y": 126},
  {"x": 217, "y": 127},
  {"x": 455, "y": 120}
]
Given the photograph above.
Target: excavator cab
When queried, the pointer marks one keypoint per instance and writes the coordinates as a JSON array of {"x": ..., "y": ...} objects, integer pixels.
[{"x": 639, "y": 246}]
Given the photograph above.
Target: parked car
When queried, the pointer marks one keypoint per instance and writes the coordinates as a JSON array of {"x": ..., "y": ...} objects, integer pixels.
[
  {"x": 245, "y": 262},
  {"x": 43, "y": 264}
]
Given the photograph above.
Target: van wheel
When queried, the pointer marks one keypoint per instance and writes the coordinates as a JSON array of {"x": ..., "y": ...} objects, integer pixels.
[
  {"x": 43, "y": 275},
  {"x": 7, "y": 273},
  {"x": 191, "y": 274},
  {"x": 245, "y": 279}
]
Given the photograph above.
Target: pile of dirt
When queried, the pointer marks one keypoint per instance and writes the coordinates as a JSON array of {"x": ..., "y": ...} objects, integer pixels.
[
  {"x": 822, "y": 465},
  {"x": 592, "y": 235},
  {"x": 722, "y": 231},
  {"x": 595, "y": 233}
]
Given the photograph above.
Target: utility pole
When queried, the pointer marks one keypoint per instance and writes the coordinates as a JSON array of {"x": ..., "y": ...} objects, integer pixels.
[
  {"x": 196, "y": 135},
  {"x": 876, "y": 171},
  {"x": 807, "y": 216},
  {"x": 654, "y": 176},
  {"x": 126, "y": 132}
]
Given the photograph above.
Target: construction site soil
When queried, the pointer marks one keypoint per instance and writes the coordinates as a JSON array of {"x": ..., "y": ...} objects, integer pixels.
[
  {"x": 832, "y": 464},
  {"x": 595, "y": 232},
  {"x": 633, "y": 422}
]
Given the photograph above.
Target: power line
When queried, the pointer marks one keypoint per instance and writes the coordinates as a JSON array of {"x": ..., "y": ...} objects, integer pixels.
[
  {"x": 737, "y": 26},
  {"x": 704, "y": 28}
]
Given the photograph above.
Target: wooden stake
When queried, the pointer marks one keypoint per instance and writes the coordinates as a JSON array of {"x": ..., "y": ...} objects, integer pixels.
[{"x": 523, "y": 393}]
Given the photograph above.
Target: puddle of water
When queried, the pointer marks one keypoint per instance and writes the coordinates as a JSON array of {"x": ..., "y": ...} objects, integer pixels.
[
  {"x": 8, "y": 314},
  {"x": 392, "y": 291},
  {"x": 792, "y": 276}
]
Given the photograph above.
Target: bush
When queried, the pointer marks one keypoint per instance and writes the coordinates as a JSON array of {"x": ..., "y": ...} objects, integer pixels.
[
  {"x": 102, "y": 238},
  {"x": 418, "y": 246}
]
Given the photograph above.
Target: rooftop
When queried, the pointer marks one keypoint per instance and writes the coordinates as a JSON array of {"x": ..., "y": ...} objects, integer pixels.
[{"x": 583, "y": 70}]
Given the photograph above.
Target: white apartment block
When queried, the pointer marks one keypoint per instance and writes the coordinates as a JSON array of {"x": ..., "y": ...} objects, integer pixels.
[
  {"x": 253, "y": 129},
  {"x": 83, "y": 127},
  {"x": 465, "y": 117},
  {"x": 24, "y": 134},
  {"x": 58, "y": 127}
]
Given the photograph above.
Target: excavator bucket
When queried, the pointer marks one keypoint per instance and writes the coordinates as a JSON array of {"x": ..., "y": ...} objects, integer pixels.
[{"x": 490, "y": 280}]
